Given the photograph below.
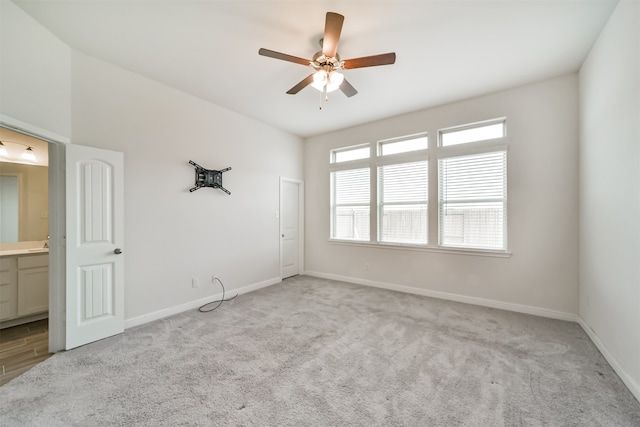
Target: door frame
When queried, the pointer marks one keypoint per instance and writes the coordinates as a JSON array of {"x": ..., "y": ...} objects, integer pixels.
[
  {"x": 57, "y": 218},
  {"x": 300, "y": 185}
]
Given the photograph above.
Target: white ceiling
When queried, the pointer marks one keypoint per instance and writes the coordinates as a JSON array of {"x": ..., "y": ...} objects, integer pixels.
[{"x": 446, "y": 49}]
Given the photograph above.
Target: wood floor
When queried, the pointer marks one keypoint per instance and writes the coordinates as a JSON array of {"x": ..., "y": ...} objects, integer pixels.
[{"x": 22, "y": 347}]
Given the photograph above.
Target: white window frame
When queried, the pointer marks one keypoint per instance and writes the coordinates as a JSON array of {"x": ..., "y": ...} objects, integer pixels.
[
  {"x": 334, "y": 153},
  {"x": 351, "y": 165},
  {"x": 452, "y": 129},
  {"x": 504, "y": 200},
  {"x": 398, "y": 160},
  {"x": 432, "y": 154},
  {"x": 389, "y": 141}
]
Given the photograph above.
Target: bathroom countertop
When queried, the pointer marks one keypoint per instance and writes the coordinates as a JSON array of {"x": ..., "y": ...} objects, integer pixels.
[{"x": 29, "y": 251}]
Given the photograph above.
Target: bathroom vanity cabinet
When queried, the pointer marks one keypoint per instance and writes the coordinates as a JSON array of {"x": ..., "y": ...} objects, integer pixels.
[{"x": 24, "y": 287}]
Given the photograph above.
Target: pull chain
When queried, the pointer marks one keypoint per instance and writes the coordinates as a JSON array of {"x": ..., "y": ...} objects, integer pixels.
[{"x": 324, "y": 95}]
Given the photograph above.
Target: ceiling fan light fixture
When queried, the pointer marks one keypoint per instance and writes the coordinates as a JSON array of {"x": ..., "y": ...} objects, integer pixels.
[
  {"x": 335, "y": 80},
  {"x": 319, "y": 80},
  {"x": 331, "y": 81}
]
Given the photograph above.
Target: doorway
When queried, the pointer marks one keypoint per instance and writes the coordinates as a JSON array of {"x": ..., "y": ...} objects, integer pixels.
[
  {"x": 54, "y": 215},
  {"x": 25, "y": 244},
  {"x": 98, "y": 173}
]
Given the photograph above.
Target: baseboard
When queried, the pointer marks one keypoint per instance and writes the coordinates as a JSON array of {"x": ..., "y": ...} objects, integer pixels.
[
  {"x": 170, "y": 311},
  {"x": 519, "y": 308},
  {"x": 22, "y": 320},
  {"x": 633, "y": 386}
]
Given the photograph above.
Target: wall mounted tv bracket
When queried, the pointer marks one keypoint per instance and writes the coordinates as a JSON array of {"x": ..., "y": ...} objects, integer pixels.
[{"x": 208, "y": 178}]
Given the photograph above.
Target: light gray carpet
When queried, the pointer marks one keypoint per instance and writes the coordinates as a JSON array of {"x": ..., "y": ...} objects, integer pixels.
[{"x": 317, "y": 352}]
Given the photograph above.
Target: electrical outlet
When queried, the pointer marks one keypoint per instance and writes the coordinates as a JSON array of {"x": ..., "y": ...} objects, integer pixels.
[{"x": 195, "y": 282}]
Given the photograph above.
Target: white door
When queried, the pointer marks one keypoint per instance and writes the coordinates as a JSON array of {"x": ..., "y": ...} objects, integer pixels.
[
  {"x": 94, "y": 244},
  {"x": 290, "y": 227}
]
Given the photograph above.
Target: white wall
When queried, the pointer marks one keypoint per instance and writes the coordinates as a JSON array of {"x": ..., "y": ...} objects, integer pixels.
[
  {"x": 172, "y": 235},
  {"x": 35, "y": 74},
  {"x": 542, "y": 122},
  {"x": 610, "y": 192}
]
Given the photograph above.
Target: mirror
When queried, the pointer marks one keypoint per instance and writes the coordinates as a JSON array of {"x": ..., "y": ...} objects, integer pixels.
[
  {"x": 24, "y": 202},
  {"x": 9, "y": 208}
]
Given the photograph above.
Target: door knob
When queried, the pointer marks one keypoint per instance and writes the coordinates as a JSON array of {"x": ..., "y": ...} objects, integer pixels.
[{"x": 117, "y": 251}]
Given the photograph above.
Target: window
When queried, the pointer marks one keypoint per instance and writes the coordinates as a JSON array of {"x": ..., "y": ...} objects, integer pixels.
[
  {"x": 403, "y": 145},
  {"x": 380, "y": 193},
  {"x": 472, "y": 133},
  {"x": 402, "y": 200},
  {"x": 350, "y": 204},
  {"x": 402, "y": 203},
  {"x": 350, "y": 153},
  {"x": 472, "y": 201}
]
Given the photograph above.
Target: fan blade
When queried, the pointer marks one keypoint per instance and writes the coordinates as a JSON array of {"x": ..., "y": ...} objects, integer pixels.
[
  {"x": 347, "y": 89},
  {"x": 332, "y": 30},
  {"x": 370, "y": 61},
  {"x": 283, "y": 56},
  {"x": 304, "y": 83}
]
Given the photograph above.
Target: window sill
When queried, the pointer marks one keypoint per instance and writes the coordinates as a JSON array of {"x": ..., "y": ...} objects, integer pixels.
[{"x": 435, "y": 249}]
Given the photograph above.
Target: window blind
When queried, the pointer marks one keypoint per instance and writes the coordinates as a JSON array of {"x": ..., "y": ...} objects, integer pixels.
[
  {"x": 402, "y": 203},
  {"x": 350, "y": 198},
  {"x": 472, "y": 201}
]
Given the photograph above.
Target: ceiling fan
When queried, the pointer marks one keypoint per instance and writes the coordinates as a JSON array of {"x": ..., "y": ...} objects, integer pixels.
[{"x": 327, "y": 64}]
